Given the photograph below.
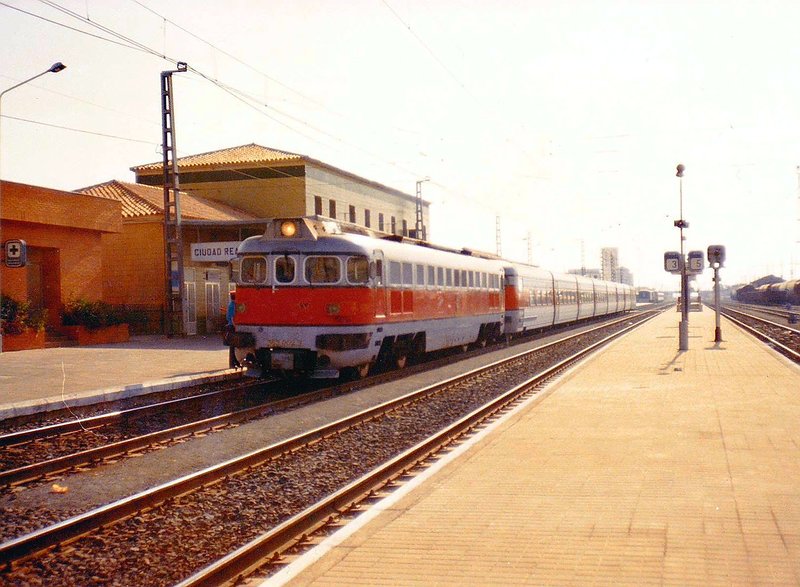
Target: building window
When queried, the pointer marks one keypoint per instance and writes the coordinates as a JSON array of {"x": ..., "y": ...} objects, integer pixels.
[
  {"x": 353, "y": 214},
  {"x": 380, "y": 221},
  {"x": 405, "y": 228},
  {"x": 332, "y": 209},
  {"x": 394, "y": 225},
  {"x": 318, "y": 205},
  {"x": 366, "y": 218}
]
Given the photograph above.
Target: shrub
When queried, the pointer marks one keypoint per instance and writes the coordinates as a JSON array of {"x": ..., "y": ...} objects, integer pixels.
[
  {"x": 96, "y": 314},
  {"x": 19, "y": 316}
]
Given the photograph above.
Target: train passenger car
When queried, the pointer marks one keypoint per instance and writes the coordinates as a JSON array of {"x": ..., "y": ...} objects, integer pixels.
[
  {"x": 529, "y": 298},
  {"x": 536, "y": 298},
  {"x": 315, "y": 300}
]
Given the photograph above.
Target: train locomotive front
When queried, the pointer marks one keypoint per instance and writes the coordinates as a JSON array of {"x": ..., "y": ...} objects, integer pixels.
[{"x": 319, "y": 298}]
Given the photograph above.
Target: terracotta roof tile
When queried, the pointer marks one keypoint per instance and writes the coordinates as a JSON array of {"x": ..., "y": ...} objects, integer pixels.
[
  {"x": 245, "y": 154},
  {"x": 143, "y": 200}
]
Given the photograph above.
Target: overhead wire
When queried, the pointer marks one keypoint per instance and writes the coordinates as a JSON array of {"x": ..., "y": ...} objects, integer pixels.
[
  {"x": 225, "y": 87},
  {"x": 88, "y": 132},
  {"x": 255, "y": 104}
]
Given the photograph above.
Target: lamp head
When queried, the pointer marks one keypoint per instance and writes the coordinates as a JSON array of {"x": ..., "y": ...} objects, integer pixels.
[
  {"x": 680, "y": 169},
  {"x": 56, "y": 67}
]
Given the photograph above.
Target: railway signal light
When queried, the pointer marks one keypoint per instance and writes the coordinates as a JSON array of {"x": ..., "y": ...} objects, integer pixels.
[{"x": 716, "y": 255}]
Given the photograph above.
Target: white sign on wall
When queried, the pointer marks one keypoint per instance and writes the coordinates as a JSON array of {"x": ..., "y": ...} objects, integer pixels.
[{"x": 214, "y": 252}]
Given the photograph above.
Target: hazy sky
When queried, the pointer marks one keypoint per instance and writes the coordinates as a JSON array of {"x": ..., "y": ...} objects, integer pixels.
[{"x": 565, "y": 119}]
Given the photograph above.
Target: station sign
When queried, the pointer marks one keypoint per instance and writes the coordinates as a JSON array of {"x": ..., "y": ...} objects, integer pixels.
[
  {"x": 16, "y": 253},
  {"x": 716, "y": 255},
  {"x": 219, "y": 252},
  {"x": 673, "y": 262},
  {"x": 696, "y": 262}
]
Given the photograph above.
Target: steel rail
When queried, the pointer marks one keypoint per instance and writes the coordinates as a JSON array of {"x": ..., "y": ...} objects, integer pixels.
[
  {"x": 771, "y": 310},
  {"x": 35, "y": 471},
  {"x": 758, "y": 334},
  {"x": 73, "y": 528},
  {"x": 234, "y": 566},
  {"x": 94, "y": 422}
]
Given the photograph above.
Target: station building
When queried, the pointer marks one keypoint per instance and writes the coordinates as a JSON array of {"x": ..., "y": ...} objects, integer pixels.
[
  {"x": 270, "y": 183},
  {"x": 64, "y": 234},
  {"x": 134, "y": 257}
]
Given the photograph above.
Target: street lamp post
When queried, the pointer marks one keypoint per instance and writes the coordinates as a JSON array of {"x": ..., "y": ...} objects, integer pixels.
[
  {"x": 55, "y": 68},
  {"x": 683, "y": 328}
]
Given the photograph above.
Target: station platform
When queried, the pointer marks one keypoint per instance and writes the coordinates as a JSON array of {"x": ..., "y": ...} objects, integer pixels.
[
  {"x": 642, "y": 465},
  {"x": 38, "y": 380}
]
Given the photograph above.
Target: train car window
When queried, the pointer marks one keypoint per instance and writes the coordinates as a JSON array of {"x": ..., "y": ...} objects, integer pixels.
[
  {"x": 253, "y": 270},
  {"x": 323, "y": 270},
  {"x": 463, "y": 278},
  {"x": 420, "y": 275},
  {"x": 408, "y": 274},
  {"x": 440, "y": 276},
  {"x": 395, "y": 273},
  {"x": 449, "y": 278},
  {"x": 284, "y": 270},
  {"x": 431, "y": 275},
  {"x": 357, "y": 269},
  {"x": 457, "y": 278},
  {"x": 483, "y": 280},
  {"x": 471, "y": 278},
  {"x": 378, "y": 272}
]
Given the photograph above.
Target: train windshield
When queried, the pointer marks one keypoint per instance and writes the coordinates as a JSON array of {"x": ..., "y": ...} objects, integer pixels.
[
  {"x": 284, "y": 269},
  {"x": 357, "y": 270},
  {"x": 253, "y": 270},
  {"x": 323, "y": 269}
]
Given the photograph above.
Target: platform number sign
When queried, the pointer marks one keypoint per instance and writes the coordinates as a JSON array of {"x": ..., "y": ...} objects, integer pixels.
[
  {"x": 16, "y": 253},
  {"x": 672, "y": 262},
  {"x": 696, "y": 262}
]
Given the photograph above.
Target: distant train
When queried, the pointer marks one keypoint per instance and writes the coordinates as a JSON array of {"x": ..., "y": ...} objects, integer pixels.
[
  {"x": 649, "y": 296},
  {"x": 785, "y": 292},
  {"x": 321, "y": 298}
]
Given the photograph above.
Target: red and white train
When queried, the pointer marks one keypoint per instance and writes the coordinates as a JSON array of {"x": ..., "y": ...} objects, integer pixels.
[{"x": 320, "y": 298}]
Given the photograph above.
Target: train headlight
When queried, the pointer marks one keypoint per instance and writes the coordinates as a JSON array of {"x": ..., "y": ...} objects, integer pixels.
[{"x": 288, "y": 228}]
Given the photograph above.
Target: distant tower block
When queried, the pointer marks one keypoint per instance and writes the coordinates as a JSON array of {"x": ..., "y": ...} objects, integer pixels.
[{"x": 610, "y": 263}]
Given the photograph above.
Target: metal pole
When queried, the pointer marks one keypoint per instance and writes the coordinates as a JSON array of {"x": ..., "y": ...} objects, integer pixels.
[
  {"x": 718, "y": 328},
  {"x": 55, "y": 68},
  {"x": 683, "y": 327}
]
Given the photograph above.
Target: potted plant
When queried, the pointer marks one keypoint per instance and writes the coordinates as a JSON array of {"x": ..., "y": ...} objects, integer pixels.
[
  {"x": 94, "y": 322},
  {"x": 22, "y": 326}
]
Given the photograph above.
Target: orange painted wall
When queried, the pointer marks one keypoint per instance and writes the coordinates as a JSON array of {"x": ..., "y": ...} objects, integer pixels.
[
  {"x": 63, "y": 233},
  {"x": 133, "y": 263}
]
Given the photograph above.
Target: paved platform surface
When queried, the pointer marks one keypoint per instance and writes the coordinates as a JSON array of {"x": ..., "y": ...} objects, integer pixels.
[
  {"x": 33, "y": 380},
  {"x": 644, "y": 465}
]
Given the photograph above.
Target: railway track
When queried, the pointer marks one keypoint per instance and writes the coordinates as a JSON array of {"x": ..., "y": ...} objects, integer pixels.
[
  {"x": 777, "y": 314},
  {"x": 784, "y": 339},
  {"x": 48, "y": 452},
  {"x": 266, "y": 499}
]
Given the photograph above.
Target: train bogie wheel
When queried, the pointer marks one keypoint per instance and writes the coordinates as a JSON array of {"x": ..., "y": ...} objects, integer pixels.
[{"x": 354, "y": 373}]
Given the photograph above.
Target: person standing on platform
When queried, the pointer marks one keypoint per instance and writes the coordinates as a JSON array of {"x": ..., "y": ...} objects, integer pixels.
[{"x": 233, "y": 362}]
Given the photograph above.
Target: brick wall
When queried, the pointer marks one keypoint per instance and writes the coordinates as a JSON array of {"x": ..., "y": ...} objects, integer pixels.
[{"x": 63, "y": 233}]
